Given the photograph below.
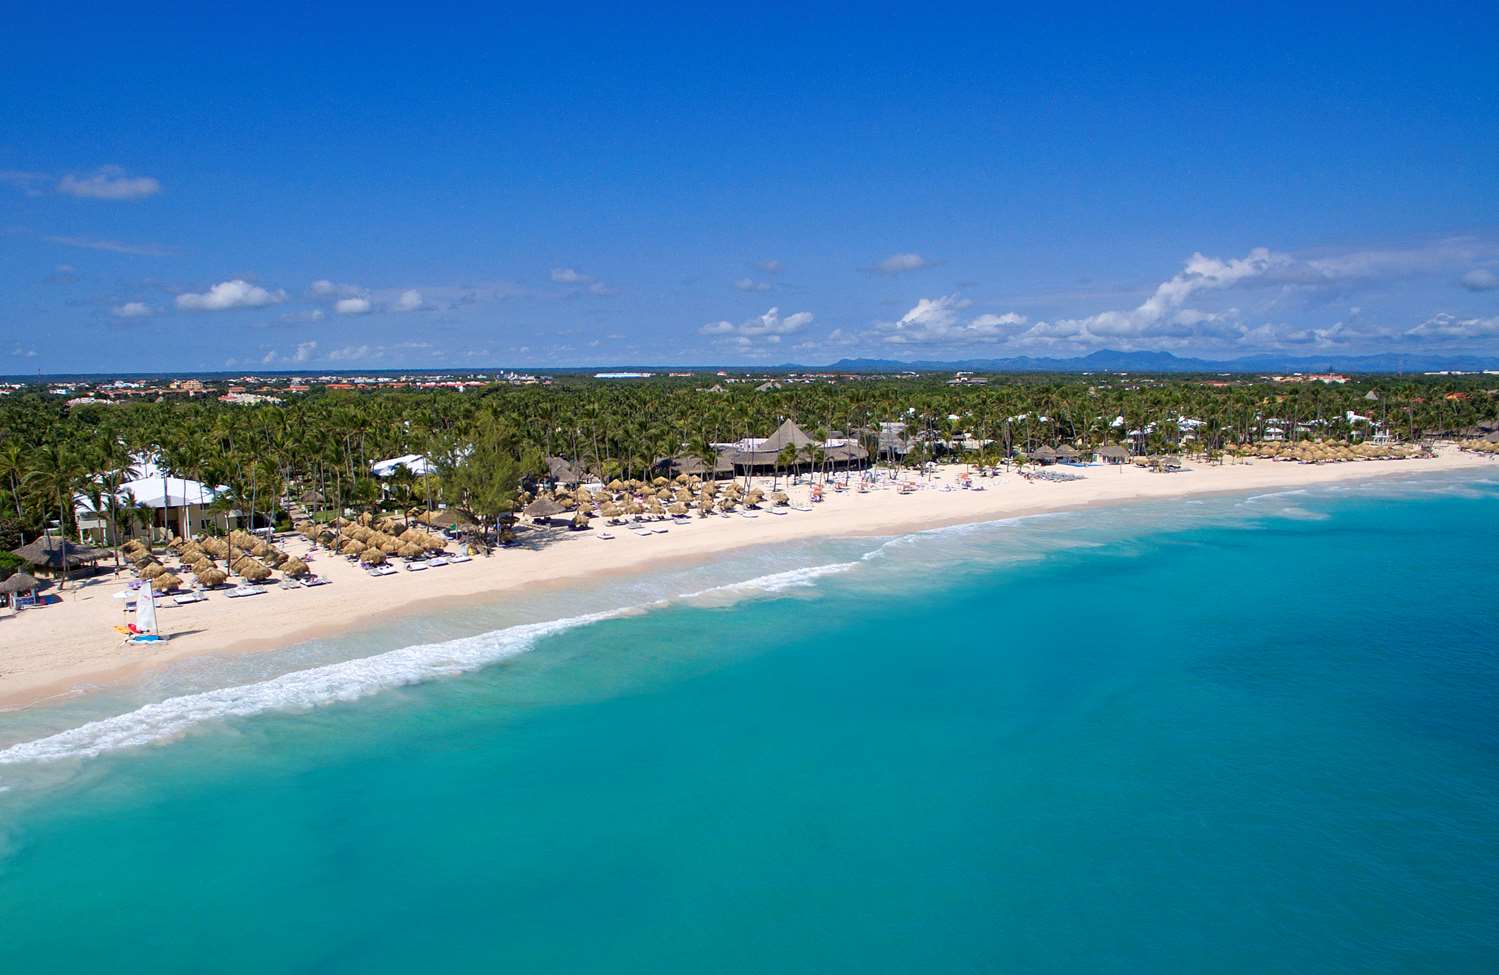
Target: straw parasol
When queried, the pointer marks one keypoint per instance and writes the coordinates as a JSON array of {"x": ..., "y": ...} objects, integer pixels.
[
  {"x": 580, "y": 520},
  {"x": 295, "y": 568},
  {"x": 212, "y": 577},
  {"x": 17, "y": 584},
  {"x": 166, "y": 582},
  {"x": 677, "y": 509},
  {"x": 351, "y": 547},
  {"x": 153, "y": 570},
  {"x": 542, "y": 507},
  {"x": 252, "y": 570},
  {"x": 372, "y": 556},
  {"x": 409, "y": 550}
]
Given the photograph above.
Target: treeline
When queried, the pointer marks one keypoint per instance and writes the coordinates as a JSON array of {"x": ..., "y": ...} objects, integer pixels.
[{"x": 487, "y": 444}]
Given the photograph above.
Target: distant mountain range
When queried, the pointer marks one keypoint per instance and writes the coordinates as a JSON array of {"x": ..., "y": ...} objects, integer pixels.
[{"x": 1108, "y": 360}]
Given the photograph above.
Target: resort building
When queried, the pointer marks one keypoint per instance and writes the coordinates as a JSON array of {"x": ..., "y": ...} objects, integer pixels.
[{"x": 161, "y": 506}]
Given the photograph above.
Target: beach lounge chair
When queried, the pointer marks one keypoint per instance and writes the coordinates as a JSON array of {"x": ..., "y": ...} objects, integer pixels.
[
  {"x": 416, "y": 566},
  {"x": 240, "y": 591},
  {"x": 386, "y": 570},
  {"x": 460, "y": 557},
  {"x": 311, "y": 581},
  {"x": 606, "y": 536},
  {"x": 436, "y": 562},
  {"x": 640, "y": 530},
  {"x": 187, "y": 599},
  {"x": 776, "y": 511},
  {"x": 659, "y": 529}
]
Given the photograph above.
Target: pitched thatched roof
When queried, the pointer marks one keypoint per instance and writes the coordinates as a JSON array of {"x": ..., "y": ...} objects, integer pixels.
[
  {"x": 1068, "y": 451},
  {"x": 51, "y": 553},
  {"x": 1043, "y": 453},
  {"x": 1113, "y": 452},
  {"x": 688, "y": 464},
  {"x": 788, "y": 434},
  {"x": 564, "y": 471}
]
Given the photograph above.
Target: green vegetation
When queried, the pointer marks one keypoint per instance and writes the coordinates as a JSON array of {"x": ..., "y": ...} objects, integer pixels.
[{"x": 317, "y": 447}]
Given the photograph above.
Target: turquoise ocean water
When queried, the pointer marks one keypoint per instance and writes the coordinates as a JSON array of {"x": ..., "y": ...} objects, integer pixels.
[{"x": 1234, "y": 735}]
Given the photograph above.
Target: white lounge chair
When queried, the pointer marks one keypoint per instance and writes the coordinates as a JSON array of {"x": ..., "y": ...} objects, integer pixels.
[
  {"x": 187, "y": 599},
  {"x": 605, "y": 536},
  {"x": 659, "y": 529},
  {"x": 438, "y": 561},
  {"x": 460, "y": 557},
  {"x": 239, "y": 591},
  {"x": 777, "y": 511},
  {"x": 386, "y": 570},
  {"x": 416, "y": 566}
]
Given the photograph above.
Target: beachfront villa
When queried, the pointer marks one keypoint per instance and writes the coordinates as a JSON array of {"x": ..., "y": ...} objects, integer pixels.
[{"x": 171, "y": 505}]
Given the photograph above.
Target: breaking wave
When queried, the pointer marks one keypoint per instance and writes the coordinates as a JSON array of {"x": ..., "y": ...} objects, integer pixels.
[{"x": 351, "y": 680}]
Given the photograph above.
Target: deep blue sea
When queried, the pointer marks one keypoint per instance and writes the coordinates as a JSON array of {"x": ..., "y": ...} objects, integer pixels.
[{"x": 1233, "y": 735}]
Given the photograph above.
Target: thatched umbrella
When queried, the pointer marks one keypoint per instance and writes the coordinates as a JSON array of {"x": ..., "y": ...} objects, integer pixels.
[
  {"x": 580, "y": 519},
  {"x": 295, "y": 568},
  {"x": 542, "y": 507},
  {"x": 18, "y": 583},
  {"x": 252, "y": 570},
  {"x": 212, "y": 577},
  {"x": 781, "y": 498},
  {"x": 351, "y": 547},
  {"x": 393, "y": 546},
  {"x": 677, "y": 509},
  {"x": 434, "y": 543},
  {"x": 201, "y": 565},
  {"x": 409, "y": 550},
  {"x": 153, "y": 570},
  {"x": 165, "y": 582},
  {"x": 372, "y": 556}
]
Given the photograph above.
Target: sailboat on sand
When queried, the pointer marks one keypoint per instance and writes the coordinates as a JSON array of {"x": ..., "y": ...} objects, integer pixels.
[{"x": 144, "y": 629}]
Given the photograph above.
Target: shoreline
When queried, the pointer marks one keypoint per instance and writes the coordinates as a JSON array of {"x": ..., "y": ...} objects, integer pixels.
[{"x": 70, "y": 649}]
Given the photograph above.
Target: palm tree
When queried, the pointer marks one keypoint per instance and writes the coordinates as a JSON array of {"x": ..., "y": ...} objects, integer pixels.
[{"x": 58, "y": 475}]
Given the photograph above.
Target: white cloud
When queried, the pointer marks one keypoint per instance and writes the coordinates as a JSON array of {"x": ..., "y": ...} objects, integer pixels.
[
  {"x": 569, "y": 275},
  {"x": 324, "y": 288},
  {"x": 940, "y": 321},
  {"x": 1480, "y": 279},
  {"x": 409, "y": 300},
  {"x": 749, "y": 284},
  {"x": 586, "y": 282},
  {"x": 771, "y": 266},
  {"x": 111, "y": 246},
  {"x": 28, "y": 183},
  {"x": 901, "y": 263},
  {"x": 21, "y": 353},
  {"x": 238, "y": 293},
  {"x": 307, "y": 315},
  {"x": 1445, "y": 326},
  {"x": 131, "y": 309},
  {"x": 993, "y": 321},
  {"x": 763, "y": 329},
  {"x": 352, "y": 306},
  {"x": 350, "y": 353},
  {"x": 302, "y": 353},
  {"x": 109, "y": 183}
]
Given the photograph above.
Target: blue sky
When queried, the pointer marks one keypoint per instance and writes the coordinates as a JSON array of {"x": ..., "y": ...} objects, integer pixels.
[{"x": 352, "y": 189}]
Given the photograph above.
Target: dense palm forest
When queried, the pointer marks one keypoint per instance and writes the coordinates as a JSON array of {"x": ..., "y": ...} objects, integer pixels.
[{"x": 488, "y": 445}]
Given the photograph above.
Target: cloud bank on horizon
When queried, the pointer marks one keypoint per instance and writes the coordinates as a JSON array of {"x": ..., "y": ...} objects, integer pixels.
[{"x": 657, "y": 211}]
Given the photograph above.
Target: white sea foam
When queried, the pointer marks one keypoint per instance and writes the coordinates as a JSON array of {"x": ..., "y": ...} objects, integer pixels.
[
  {"x": 350, "y": 680},
  {"x": 775, "y": 582},
  {"x": 347, "y": 680}
]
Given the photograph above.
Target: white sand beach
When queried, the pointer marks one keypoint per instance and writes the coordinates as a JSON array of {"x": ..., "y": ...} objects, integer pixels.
[{"x": 71, "y": 647}]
